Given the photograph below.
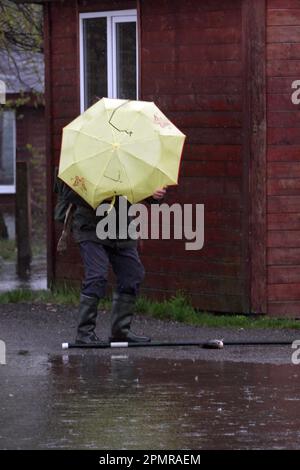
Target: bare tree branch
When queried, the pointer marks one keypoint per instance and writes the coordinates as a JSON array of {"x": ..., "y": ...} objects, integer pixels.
[
  {"x": 21, "y": 26},
  {"x": 21, "y": 36}
]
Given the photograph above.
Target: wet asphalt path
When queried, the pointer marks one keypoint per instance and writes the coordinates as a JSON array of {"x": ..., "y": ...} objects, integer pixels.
[
  {"x": 41, "y": 329},
  {"x": 145, "y": 398}
]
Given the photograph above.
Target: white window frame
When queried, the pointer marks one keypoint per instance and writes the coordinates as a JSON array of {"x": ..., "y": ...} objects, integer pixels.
[
  {"x": 112, "y": 18},
  {"x": 11, "y": 188}
]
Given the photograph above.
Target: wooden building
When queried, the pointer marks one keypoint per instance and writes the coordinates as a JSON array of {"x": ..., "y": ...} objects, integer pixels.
[
  {"x": 223, "y": 71},
  {"x": 22, "y": 134}
]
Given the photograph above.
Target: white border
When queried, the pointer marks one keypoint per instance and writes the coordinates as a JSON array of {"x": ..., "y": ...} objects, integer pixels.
[
  {"x": 11, "y": 188},
  {"x": 113, "y": 17}
]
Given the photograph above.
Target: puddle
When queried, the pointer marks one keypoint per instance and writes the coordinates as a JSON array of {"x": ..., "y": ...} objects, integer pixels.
[
  {"x": 35, "y": 280},
  {"x": 83, "y": 401}
]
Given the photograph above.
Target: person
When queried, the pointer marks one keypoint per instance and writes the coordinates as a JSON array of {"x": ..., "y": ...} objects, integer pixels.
[{"x": 96, "y": 255}]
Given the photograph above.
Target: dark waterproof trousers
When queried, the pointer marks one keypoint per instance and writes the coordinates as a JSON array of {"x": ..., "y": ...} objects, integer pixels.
[{"x": 125, "y": 263}]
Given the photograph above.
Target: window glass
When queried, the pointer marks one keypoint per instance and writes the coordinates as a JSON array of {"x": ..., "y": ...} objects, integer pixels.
[
  {"x": 126, "y": 60},
  {"x": 95, "y": 59},
  {"x": 109, "y": 56},
  {"x": 7, "y": 148}
]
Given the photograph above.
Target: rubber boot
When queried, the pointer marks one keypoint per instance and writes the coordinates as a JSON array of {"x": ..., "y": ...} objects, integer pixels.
[
  {"x": 87, "y": 321},
  {"x": 121, "y": 317}
]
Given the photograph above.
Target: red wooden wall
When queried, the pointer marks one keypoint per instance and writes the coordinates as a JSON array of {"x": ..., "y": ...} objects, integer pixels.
[
  {"x": 193, "y": 58},
  {"x": 30, "y": 130},
  {"x": 61, "y": 32},
  {"x": 283, "y": 241},
  {"x": 191, "y": 65}
]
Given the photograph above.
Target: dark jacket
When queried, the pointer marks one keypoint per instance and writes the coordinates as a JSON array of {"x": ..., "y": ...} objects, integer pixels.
[{"x": 85, "y": 219}]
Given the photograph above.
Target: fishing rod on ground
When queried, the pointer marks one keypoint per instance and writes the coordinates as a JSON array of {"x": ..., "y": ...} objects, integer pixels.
[{"x": 211, "y": 344}]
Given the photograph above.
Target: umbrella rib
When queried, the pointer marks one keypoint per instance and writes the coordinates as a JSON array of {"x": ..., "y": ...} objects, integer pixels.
[
  {"x": 116, "y": 129},
  {"x": 123, "y": 166},
  {"x": 141, "y": 139},
  {"x": 146, "y": 163},
  {"x": 131, "y": 125},
  {"x": 100, "y": 177},
  {"x": 136, "y": 156},
  {"x": 108, "y": 111},
  {"x": 75, "y": 162},
  {"x": 89, "y": 135},
  {"x": 105, "y": 170}
]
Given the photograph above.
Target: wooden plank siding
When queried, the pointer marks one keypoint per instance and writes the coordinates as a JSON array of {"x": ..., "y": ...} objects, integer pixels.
[
  {"x": 254, "y": 153},
  {"x": 63, "y": 105},
  {"x": 192, "y": 67},
  {"x": 194, "y": 64},
  {"x": 283, "y": 155}
]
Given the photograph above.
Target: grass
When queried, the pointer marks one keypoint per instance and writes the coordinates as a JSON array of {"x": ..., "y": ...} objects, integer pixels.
[
  {"x": 62, "y": 296},
  {"x": 179, "y": 309},
  {"x": 176, "y": 308},
  {"x": 38, "y": 247},
  {"x": 8, "y": 249}
]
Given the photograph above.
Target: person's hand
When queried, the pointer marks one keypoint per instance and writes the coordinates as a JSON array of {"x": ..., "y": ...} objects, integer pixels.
[{"x": 159, "y": 193}]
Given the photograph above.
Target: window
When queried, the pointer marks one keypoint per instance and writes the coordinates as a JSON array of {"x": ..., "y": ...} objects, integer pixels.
[
  {"x": 108, "y": 56},
  {"x": 7, "y": 151}
]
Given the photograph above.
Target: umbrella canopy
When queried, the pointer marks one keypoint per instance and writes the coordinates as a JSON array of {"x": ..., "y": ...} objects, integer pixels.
[{"x": 120, "y": 148}]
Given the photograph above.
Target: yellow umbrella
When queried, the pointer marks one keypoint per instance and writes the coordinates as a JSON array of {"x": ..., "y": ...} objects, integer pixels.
[{"x": 120, "y": 147}]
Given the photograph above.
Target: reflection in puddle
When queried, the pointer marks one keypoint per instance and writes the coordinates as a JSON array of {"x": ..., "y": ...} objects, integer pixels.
[
  {"x": 36, "y": 279},
  {"x": 119, "y": 402}
]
